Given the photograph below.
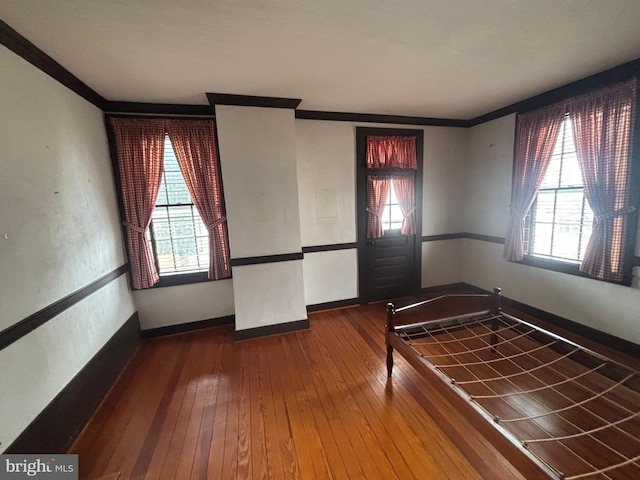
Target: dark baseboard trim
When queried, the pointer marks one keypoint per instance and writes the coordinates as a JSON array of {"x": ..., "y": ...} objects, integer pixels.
[
  {"x": 329, "y": 248},
  {"x": 252, "y": 101},
  {"x": 603, "y": 338},
  {"x": 133, "y": 108},
  {"x": 619, "y": 73},
  {"x": 32, "y": 54},
  {"x": 23, "y": 327},
  {"x": 285, "y": 257},
  {"x": 473, "y": 236},
  {"x": 61, "y": 421},
  {"x": 374, "y": 118},
  {"x": 333, "y": 305},
  {"x": 187, "y": 327},
  {"x": 257, "y": 332}
]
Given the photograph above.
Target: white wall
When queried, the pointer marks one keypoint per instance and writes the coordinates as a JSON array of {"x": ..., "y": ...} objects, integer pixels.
[
  {"x": 330, "y": 276},
  {"x": 443, "y": 185},
  {"x": 488, "y": 170},
  {"x": 166, "y": 306},
  {"x": 607, "y": 307},
  {"x": 59, "y": 231},
  {"x": 258, "y": 158},
  {"x": 326, "y": 165}
]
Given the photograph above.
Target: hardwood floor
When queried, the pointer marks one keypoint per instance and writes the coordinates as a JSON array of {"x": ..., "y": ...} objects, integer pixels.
[{"x": 307, "y": 405}]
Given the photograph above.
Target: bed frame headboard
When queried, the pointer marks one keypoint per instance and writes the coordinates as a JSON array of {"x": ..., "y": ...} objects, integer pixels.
[{"x": 448, "y": 305}]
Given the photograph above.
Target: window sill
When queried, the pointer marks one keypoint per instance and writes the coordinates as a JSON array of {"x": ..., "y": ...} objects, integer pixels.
[
  {"x": 176, "y": 279},
  {"x": 565, "y": 267}
]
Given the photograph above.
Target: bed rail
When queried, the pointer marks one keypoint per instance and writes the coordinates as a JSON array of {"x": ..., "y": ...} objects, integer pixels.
[{"x": 443, "y": 306}]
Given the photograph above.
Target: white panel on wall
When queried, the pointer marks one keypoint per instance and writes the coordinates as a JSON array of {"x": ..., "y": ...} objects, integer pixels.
[
  {"x": 268, "y": 294},
  {"x": 330, "y": 276},
  {"x": 441, "y": 262},
  {"x": 488, "y": 176},
  {"x": 162, "y": 307},
  {"x": 325, "y": 153},
  {"x": 443, "y": 184},
  {"x": 257, "y": 153}
]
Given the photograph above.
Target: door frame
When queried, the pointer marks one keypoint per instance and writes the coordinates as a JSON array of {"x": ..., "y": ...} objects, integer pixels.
[{"x": 361, "y": 203}]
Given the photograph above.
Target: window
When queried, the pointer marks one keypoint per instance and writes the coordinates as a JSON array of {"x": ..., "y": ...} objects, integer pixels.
[
  {"x": 560, "y": 221},
  {"x": 171, "y": 200},
  {"x": 573, "y": 201},
  {"x": 392, "y": 214},
  {"x": 179, "y": 238}
]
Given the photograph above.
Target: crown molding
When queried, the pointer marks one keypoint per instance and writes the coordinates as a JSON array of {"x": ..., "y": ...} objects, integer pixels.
[
  {"x": 375, "y": 118},
  {"x": 252, "y": 101},
  {"x": 137, "y": 108},
  {"x": 32, "y": 54},
  {"x": 616, "y": 74}
]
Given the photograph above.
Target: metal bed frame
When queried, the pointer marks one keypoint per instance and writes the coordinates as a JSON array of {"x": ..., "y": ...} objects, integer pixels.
[{"x": 551, "y": 406}]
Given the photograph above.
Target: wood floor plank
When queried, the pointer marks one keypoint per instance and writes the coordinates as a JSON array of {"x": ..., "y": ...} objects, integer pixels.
[
  {"x": 307, "y": 405},
  {"x": 276, "y": 424},
  {"x": 391, "y": 429}
]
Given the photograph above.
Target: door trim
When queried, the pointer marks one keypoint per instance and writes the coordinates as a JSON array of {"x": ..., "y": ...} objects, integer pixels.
[{"x": 361, "y": 204}]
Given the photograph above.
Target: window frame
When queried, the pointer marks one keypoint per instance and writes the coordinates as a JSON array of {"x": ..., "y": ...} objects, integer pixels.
[
  {"x": 530, "y": 220},
  {"x": 173, "y": 279},
  {"x": 190, "y": 275}
]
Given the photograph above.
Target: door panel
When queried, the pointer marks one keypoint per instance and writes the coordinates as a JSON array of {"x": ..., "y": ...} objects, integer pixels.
[{"x": 390, "y": 266}]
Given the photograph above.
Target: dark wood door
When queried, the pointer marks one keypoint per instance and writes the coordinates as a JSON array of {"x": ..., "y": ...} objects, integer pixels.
[{"x": 390, "y": 266}]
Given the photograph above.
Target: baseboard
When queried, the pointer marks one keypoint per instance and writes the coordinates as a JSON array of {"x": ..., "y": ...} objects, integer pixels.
[
  {"x": 332, "y": 305},
  {"x": 54, "y": 430},
  {"x": 188, "y": 327},
  {"x": 257, "y": 332}
]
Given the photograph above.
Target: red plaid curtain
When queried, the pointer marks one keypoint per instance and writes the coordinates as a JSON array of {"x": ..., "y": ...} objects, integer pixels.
[
  {"x": 536, "y": 134},
  {"x": 404, "y": 187},
  {"x": 140, "y": 149},
  {"x": 195, "y": 148},
  {"x": 391, "y": 152},
  {"x": 602, "y": 125},
  {"x": 377, "y": 194}
]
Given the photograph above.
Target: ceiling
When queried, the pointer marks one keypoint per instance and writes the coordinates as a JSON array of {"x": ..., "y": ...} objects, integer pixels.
[{"x": 426, "y": 58}]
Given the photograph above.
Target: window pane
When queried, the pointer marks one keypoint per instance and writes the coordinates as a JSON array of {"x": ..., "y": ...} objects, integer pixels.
[
  {"x": 396, "y": 214},
  {"x": 544, "y": 206},
  {"x": 569, "y": 207},
  {"x": 571, "y": 175},
  {"x": 563, "y": 219},
  {"x": 392, "y": 215},
  {"x": 541, "y": 243},
  {"x": 180, "y": 239},
  {"x": 552, "y": 175},
  {"x": 566, "y": 240}
]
